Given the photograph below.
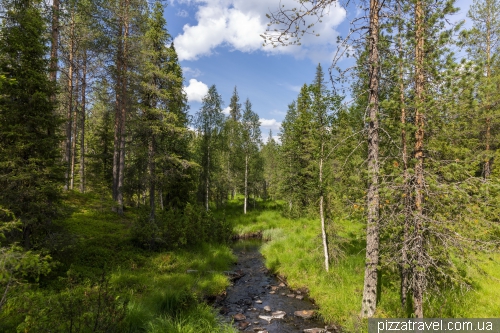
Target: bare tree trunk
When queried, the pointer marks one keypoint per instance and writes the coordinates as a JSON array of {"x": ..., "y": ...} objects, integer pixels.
[
  {"x": 123, "y": 111},
  {"x": 487, "y": 167},
  {"x": 246, "y": 185},
  {"x": 54, "y": 42},
  {"x": 73, "y": 140},
  {"x": 369, "y": 302},
  {"x": 418, "y": 246},
  {"x": 118, "y": 107},
  {"x": 160, "y": 193},
  {"x": 82, "y": 129},
  {"x": 207, "y": 178},
  {"x": 404, "y": 264},
  {"x": 321, "y": 211},
  {"x": 152, "y": 181},
  {"x": 69, "y": 114}
]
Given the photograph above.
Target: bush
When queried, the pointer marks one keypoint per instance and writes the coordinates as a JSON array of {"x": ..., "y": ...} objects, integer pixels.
[
  {"x": 78, "y": 309},
  {"x": 176, "y": 229}
]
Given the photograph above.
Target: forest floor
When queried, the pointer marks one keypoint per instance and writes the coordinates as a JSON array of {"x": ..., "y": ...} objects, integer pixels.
[
  {"x": 171, "y": 291},
  {"x": 162, "y": 291}
]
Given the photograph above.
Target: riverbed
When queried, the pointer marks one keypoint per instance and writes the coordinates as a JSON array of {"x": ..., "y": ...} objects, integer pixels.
[{"x": 258, "y": 301}]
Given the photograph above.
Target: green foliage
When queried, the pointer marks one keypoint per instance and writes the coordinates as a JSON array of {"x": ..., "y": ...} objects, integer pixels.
[
  {"x": 30, "y": 174},
  {"x": 17, "y": 265},
  {"x": 81, "y": 308},
  {"x": 174, "y": 228}
]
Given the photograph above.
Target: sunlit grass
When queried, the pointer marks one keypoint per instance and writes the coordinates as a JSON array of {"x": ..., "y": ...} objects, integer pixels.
[
  {"x": 166, "y": 290},
  {"x": 294, "y": 250}
]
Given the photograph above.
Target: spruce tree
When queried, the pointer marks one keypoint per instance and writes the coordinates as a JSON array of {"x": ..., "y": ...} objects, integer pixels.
[
  {"x": 251, "y": 143},
  {"x": 30, "y": 175},
  {"x": 209, "y": 121}
]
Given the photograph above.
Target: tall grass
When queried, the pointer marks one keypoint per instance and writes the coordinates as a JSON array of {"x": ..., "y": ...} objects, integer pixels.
[
  {"x": 294, "y": 250},
  {"x": 162, "y": 291}
]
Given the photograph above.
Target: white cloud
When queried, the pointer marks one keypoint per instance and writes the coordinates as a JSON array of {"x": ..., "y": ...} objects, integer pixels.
[
  {"x": 270, "y": 124},
  {"x": 239, "y": 24},
  {"x": 226, "y": 110},
  {"x": 182, "y": 13},
  {"x": 194, "y": 72},
  {"x": 196, "y": 90}
]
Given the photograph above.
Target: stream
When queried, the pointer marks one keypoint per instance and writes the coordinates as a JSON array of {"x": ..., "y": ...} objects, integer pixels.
[{"x": 258, "y": 301}]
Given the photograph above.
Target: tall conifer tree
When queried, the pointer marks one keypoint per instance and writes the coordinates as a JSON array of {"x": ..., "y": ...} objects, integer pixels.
[{"x": 30, "y": 175}]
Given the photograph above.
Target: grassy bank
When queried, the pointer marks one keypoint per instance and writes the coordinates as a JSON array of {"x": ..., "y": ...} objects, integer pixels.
[
  {"x": 100, "y": 278},
  {"x": 294, "y": 250}
]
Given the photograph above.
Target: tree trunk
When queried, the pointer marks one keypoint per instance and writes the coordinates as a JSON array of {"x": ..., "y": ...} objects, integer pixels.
[
  {"x": 74, "y": 134},
  {"x": 69, "y": 114},
  {"x": 82, "y": 129},
  {"x": 369, "y": 302},
  {"x": 160, "y": 194},
  {"x": 123, "y": 111},
  {"x": 207, "y": 178},
  {"x": 246, "y": 185},
  {"x": 418, "y": 248},
  {"x": 54, "y": 42},
  {"x": 118, "y": 106},
  {"x": 487, "y": 167},
  {"x": 152, "y": 182},
  {"x": 321, "y": 211},
  {"x": 404, "y": 264}
]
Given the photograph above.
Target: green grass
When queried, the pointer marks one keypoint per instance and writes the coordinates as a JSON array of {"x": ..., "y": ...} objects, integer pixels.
[
  {"x": 162, "y": 296},
  {"x": 295, "y": 252}
]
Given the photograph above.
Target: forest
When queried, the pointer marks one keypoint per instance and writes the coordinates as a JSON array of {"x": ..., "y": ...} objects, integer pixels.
[{"x": 119, "y": 206}]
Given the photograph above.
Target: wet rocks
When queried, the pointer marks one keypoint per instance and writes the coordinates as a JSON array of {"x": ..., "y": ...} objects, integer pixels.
[
  {"x": 306, "y": 314},
  {"x": 266, "y": 318},
  {"x": 315, "y": 330},
  {"x": 239, "y": 317},
  {"x": 267, "y": 308},
  {"x": 278, "y": 314},
  {"x": 242, "y": 325}
]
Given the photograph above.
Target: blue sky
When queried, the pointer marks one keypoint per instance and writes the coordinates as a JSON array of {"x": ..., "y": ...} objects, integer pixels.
[{"x": 218, "y": 42}]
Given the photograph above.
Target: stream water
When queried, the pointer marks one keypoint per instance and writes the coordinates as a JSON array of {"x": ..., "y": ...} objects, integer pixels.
[{"x": 257, "y": 301}]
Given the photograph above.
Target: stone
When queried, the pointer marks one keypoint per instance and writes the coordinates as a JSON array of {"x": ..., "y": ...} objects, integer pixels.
[
  {"x": 315, "y": 330},
  {"x": 242, "y": 325},
  {"x": 282, "y": 285},
  {"x": 267, "y": 318},
  {"x": 274, "y": 288},
  {"x": 306, "y": 314},
  {"x": 278, "y": 314},
  {"x": 291, "y": 295},
  {"x": 299, "y": 297},
  {"x": 258, "y": 301},
  {"x": 267, "y": 308},
  {"x": 239, "y": 317},
  {"x": 272, "y": 292}
]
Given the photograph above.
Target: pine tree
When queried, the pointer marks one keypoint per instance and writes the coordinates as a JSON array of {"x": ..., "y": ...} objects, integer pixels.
[
  {"x": 209, "y": 122},
  {"x": 30, "y": 175},
  {"x": 251, "y": 143},
  {"x": 162, "y": 123},
  {"x": 483, "y": 45}
]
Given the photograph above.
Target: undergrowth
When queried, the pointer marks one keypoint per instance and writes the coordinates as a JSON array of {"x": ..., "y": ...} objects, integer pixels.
[{"x": 101, "y": 281}]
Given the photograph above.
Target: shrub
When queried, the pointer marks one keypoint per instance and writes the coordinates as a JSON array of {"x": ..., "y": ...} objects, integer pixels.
[{"x": 176, "y": 229}]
